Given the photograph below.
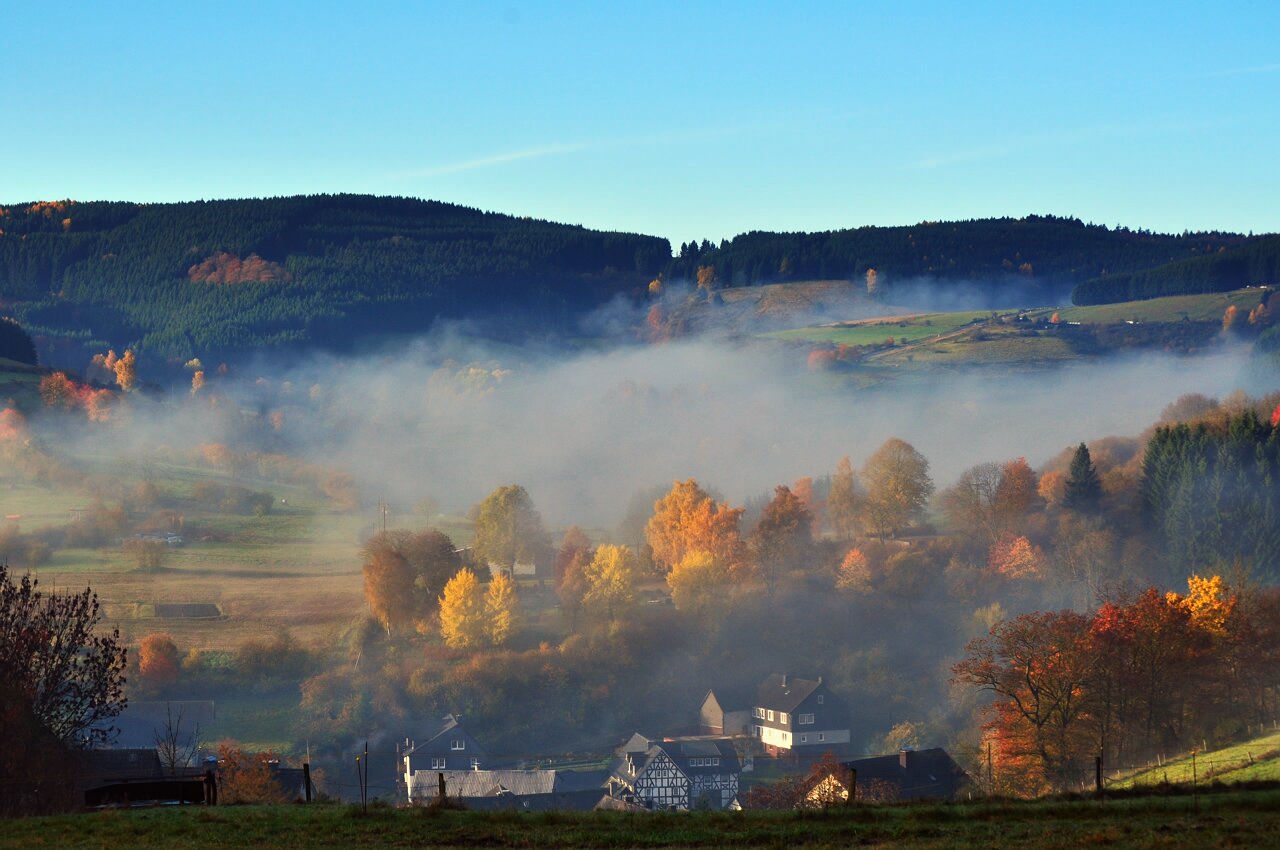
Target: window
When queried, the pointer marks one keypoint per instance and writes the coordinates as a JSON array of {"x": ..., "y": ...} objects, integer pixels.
[
  {"x": 782, "y": 716},
  {"x": 770, "y": 713},
  {"x": 822, "y": 736},
  {"x": 475, "y": 764},
  {"x": 758, "y": 713},
  {"x": 806, "y": 719},
  {"x": 457, "y": 744},
  {"x": 819, "y": 699},
  {"x": 804, "y": 739},
  {"x": 438, "y": 763},
  {"x": 715, "y": 762}
]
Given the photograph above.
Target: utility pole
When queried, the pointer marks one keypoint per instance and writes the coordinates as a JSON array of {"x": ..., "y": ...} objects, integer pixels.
[{"x": 384, "y": 509}]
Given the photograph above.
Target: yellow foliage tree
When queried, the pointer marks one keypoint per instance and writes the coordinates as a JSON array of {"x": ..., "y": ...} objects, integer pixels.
[
  {"x": 872, "y": 283},
  {"x": 1206, "y": 602},
  {"x": 1014, "y": 557},
  {"x": 700, "y": 584},
  {"x": 898, "y": 486},
  {"x": 611, "y": 577},
  {"x": 126, "y": 369},
  {"x": 706, "y": 277},
  {"x": 501, "y": 610},
  {"x": 197, "y": 381},
  {"x": 462, "y": 611}
]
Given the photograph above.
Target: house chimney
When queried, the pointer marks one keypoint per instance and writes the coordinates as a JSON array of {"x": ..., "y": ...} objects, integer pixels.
[
  {"x": 903, "y": 758},
  {"x": 784, "y": 680}
]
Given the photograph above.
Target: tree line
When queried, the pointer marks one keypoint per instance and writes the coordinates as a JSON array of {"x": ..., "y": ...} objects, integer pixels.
[{"x": 1230, "y": 267}]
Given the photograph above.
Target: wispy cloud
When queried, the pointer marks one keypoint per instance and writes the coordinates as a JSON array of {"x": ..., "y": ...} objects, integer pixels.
[
  {"x": 1234, "y": 72},
  {"x": 497, "y": 159}
]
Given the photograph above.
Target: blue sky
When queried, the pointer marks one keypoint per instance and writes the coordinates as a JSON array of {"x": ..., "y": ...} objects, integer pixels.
[{"x": 687, "y": 120}]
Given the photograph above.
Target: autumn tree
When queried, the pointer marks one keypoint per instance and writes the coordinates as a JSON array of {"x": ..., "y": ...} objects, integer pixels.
[
  {"x": 462, "y": 611},
  {"x": 57, "y": 390},
  {"x": 1036, "y": 666},
  {"x": 706, "y": 277},
  {"x": 700, "y": 585},
  {"x": 501, "y": 610},
  {"x": 388, "y": 586},
  {"x": 573, "y": 587},
  {"x": 1083, "y": 488},
  {"x": 197, "y": 381},
  {"x": 405, "y": 573},
  {"x": 1013, "y": 556},
  {"x": 574, "y": 542},
  {"x": 611, "y": 577},
  {"x": 855, "y": 572},
  {"x": 783, "y": 538},
  {"x": 970, "y": 505},
  {"x": 844, "y": 501},
  {"x": 158, "y": 659},
  {"x": 873, "y": 283},
  {"x": 247, "y": 777},
  {"x": 72, "y": 686},
  {"x": 1016, "y": 493},
  {"x": 509, "y": 530},
  {"x": 126, "y": 369},
  {"x": 687, "y": 519},
  {"x": 898, "y": 486}
]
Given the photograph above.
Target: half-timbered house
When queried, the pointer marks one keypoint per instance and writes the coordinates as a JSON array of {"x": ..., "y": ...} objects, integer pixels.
[{"x": 682, "y": 774}]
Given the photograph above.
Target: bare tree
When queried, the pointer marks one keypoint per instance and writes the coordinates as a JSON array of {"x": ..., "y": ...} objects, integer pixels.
[{"x": 176, "y": 747}]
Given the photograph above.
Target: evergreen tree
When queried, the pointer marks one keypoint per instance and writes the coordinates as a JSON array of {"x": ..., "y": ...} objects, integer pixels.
[{"x": 1084, "y": 489}]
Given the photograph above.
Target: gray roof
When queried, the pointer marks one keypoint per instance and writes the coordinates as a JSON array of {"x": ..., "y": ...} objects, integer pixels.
[
  {"x": 487, "y": 783},
  {"x": 137, "y": 763},
  {"x": 679, "y": 750},
  {"x": 784, "y": 693},
  {"x": 928, "y": 774},
  {"x": 446, "y": 724}
]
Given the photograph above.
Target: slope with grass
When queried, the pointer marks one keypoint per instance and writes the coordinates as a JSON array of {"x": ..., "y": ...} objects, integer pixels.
[{"x": 1257, "y": 759}]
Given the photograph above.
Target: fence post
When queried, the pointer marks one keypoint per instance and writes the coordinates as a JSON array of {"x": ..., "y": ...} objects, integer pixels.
[
  {"x": 306, "y": 779},
  {"x": 1097, "y": 775},
  {"x": 853, "y": 787},
  {"x": 1195, "y": 783},
  {"x": 440, "y": 778}
]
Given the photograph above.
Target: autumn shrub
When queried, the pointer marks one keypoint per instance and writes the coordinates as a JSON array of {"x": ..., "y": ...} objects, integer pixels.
[{"x": 158, "y": 659}]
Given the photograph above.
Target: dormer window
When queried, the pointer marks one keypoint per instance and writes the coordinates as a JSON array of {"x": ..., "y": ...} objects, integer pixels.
[
  {"x": 820, "y": 699},
  {"x": 457, "y": 744},
  {"x": 782, "y": 717}
]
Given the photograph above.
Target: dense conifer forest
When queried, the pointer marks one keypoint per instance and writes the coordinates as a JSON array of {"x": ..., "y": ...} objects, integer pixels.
[{"x": 1251, "y": 264}]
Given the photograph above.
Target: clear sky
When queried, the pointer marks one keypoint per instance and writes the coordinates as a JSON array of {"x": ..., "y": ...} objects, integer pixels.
[{"x": 686, "y": 120}]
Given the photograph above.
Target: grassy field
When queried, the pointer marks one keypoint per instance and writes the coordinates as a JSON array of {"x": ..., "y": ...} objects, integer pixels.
[
  {"x": 1195, "y": 308},
  {"x": 903, "y": 328},
  {"x": 19, "y": 383},
  {"x": 1241, "y": 819},
  {"x": 1255, "y": 759}
]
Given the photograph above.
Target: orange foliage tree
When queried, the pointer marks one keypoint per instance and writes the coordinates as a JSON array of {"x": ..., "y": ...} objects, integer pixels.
[
  {"x": 126, "y": 369},
  {"x": 687, "y": 519},
  {"x": 1013, "y": 556},
  {"x": 158, "y": 659},
  {"x": 248, "y": 777}
]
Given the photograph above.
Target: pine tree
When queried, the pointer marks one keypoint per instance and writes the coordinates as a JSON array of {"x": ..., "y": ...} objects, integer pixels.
[{"x": 1084, "y": 488}]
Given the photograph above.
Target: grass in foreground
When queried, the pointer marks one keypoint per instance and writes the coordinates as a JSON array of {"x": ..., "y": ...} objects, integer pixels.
[{"x": 1246, "y": 819}]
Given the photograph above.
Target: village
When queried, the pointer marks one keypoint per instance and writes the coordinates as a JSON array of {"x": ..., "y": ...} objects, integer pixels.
[{"x": 787, "y": 744}]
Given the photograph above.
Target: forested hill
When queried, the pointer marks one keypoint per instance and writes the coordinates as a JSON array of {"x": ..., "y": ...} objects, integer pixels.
[
  {"x": 222, "y": 278},
  {"x": 1251, "y": 264},
  {"x": 216, "y": 277},
  {"x": 1047, "y": 253}
]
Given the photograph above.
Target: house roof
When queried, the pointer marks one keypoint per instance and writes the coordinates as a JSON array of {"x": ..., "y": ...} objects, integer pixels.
[
  {"x": 135, "y": 763},
  {"x": 731, "y": 697},
  {"x": 783, "y": 693},
  {"x": 928, "y": 773},
  {"x": 679, "y": 750},
  {"x": 446, "y": 724},
  {"x": 488, "y": 783}
]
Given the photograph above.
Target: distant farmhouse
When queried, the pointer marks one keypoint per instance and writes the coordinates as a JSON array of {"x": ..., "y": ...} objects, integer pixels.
[
  {"x": 680, "y": 774},
  {"x": 798, "y": 716},
  {"x": 726, "y": 711},
  {"x": 908, "y": 775},
  {"x": 447, "y": 747}
]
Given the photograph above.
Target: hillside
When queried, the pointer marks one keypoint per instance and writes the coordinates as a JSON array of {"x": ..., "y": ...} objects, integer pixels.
[
  {"x": 216, "y": 277},
  {"x": 1254, "y": 760},
  {"x": 1253, "y": 264},
  {"x": 222, "y": 279},
  {"x": 1034, "y": 253},
  {"x": 915, "y": 342}
]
